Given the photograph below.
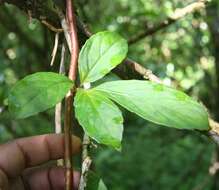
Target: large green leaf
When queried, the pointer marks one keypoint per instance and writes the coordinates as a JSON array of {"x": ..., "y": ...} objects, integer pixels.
[
  {"x": 100, "y": 54},
  {"x": 37, "y": 92},
  {"x": 100, "y": 117},
  {"x": 157, "y": 103}
]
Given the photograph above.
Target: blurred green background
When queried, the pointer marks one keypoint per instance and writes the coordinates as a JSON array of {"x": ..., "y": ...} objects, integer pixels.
[{"x": 185, "y": 55}]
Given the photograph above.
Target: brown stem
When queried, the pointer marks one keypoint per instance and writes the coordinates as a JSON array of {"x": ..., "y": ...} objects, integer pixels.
[
  {"x": 146, "y": 73},
  {"x": 70, "y": 96},
  {"x": 68, "y": 144},
  {"x": 74, "y": 39}
]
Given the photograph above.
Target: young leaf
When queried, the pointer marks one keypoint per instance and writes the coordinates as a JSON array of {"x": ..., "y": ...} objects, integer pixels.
[
  {"x": 157, "y": 103},
  {"x": 37, "y": 92},
  {"x": 100, "y": 117},
  {"x": 100, "y": 54}
]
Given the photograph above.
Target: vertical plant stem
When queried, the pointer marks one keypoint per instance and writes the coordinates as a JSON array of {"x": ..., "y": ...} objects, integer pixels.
[
  {"x": 54, "y": 52},
  {"x": 58, "y": 109},
  {"x": 70, "y": 96},
  {"x": 62, "y": 61},
  {"x": 86, "y": 162},
  {"x": 86, "y": 144},
  {"x": 74, "y": 39},
  {"x": 68, "y": 144}
]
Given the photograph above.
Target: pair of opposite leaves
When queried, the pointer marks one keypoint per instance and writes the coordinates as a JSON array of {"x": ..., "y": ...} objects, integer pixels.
[{"x": 95, "y": 110}]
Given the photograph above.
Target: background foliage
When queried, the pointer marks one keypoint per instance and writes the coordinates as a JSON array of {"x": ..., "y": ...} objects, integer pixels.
[{"x": 183, "y": 55}]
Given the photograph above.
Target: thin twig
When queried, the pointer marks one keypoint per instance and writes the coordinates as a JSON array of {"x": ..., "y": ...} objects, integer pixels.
[
  {"x": 58, "y": 126},
  {"x": 86, "y": 29},
  {"x": 86, "y": 162},
  {"x": 58, "y": 108},
  {"x": 86, "y": 144},
  {"x": 54, "y": 51},
  {"x": 70, "y": 15},
  {"x": 146, "y": 73},
  {"x": 178, "y": 14},
  {"x": 62, "y": 61},
  {"x": 51, "y": 27},
  {"x": 65, "y": 26}
]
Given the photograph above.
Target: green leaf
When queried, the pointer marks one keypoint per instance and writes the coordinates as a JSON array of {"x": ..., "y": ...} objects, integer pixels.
[
  {"x": 157, "y": 103},
  {"x": 37, "y": 92},
  {"x": 100, "y": 117},
  {"x": 94, "y": 182},
  {"x": 100, "y": 54}
]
